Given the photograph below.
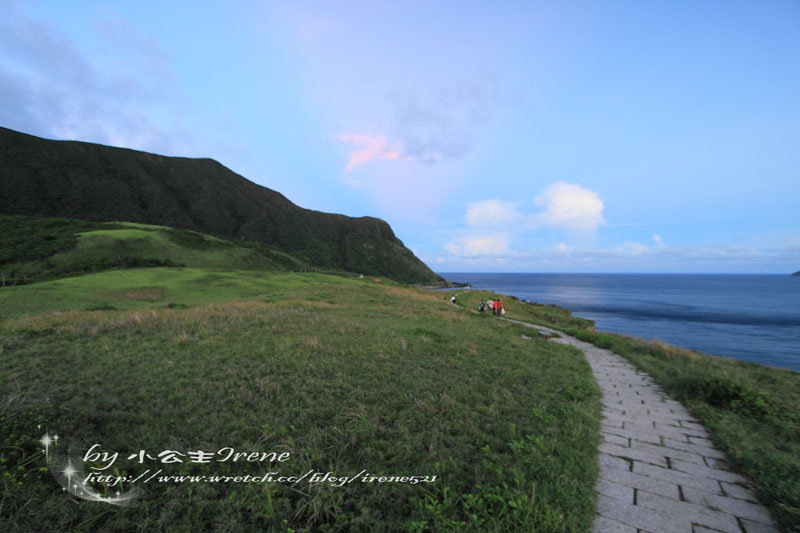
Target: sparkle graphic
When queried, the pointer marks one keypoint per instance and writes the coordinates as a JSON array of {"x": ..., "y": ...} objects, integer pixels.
[
  {"x": 73, "y": 479},
  {"x": 46, "y": 441},
  {"x": 69, "y": 471}
]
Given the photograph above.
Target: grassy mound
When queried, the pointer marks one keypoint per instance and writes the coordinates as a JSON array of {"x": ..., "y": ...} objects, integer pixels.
[{"x": 36, "y": 249}]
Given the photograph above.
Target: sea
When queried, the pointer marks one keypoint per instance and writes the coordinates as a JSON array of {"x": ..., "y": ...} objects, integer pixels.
[{"x": 751, "y": 317}]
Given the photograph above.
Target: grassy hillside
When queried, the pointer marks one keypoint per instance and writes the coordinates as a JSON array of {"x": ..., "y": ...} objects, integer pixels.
[
  {"x": 345, "y": 374},
  {"x": 92, "y": 182},
  {"x": 35, "y": 249}
]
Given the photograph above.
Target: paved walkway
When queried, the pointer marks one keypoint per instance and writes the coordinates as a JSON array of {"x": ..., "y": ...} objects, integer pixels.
[{"x": 658, "y": 469}]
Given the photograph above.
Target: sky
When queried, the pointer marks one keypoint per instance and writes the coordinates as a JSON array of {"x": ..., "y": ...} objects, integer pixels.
[{"x": 531, "y": 136}]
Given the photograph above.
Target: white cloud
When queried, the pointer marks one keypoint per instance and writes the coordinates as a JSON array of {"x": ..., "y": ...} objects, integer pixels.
[
  {"x": 569, "y": 206},
  {"x": 575, "y": 207},
  {"x": 565, "y": 206},
  {"x": 631, "y": 248},
  {"x": 487, "y": 244},
  {"x": 634, "y": 256},
  {"x": 738, "y": 251},
  {"x": 490, "y": 213},
  {"x": 480, "y": 245}
]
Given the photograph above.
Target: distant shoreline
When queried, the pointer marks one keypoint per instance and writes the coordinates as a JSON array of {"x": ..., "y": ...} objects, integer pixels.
[{"x": 745, "y": 317}]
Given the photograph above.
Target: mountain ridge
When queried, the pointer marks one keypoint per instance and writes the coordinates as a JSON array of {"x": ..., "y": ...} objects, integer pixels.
[{"x": 88, "y": 181}]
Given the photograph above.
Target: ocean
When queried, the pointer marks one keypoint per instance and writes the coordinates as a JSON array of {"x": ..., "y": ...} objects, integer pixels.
[{"x": 751, "y": 317}]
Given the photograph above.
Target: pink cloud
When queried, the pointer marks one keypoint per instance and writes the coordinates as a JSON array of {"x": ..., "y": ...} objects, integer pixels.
[{"x": 368, "y": 147}]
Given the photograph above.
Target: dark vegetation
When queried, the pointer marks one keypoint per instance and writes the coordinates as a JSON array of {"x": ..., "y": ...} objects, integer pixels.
[{"x": 92, "y": 182}]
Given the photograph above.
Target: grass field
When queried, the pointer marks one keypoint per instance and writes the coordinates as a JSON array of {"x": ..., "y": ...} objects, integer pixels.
[
  {"x": 752, "y": 411},
  {"x": 147, "y": 288},
  {"x": 345, "y": 374}
]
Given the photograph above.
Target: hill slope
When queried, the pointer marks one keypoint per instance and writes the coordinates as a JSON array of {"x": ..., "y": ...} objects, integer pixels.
[
  {"x": 36, "y": 249},
  {"x": 100, "y": 183}
]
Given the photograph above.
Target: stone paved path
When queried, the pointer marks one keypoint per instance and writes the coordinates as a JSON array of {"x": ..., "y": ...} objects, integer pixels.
[{"x": 658, "y": 469}]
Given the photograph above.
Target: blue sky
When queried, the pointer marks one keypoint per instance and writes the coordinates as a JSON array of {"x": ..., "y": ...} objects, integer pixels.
[{"x": 506, "y": 136}]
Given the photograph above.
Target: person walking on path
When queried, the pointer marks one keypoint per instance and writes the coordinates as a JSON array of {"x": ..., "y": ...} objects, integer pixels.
[{"x": 498, "y": 307}]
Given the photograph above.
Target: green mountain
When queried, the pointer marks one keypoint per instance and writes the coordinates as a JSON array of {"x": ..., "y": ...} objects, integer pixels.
[{"x": 92, "y": 182}]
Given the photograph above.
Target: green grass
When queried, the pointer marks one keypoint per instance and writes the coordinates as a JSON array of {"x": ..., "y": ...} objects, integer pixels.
[
  {"x": 547, "y": 315},
  {"x": 146, "y": 288},
  {"x": 37, "y": 249},
  {"x": 345, "y": 374}
]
